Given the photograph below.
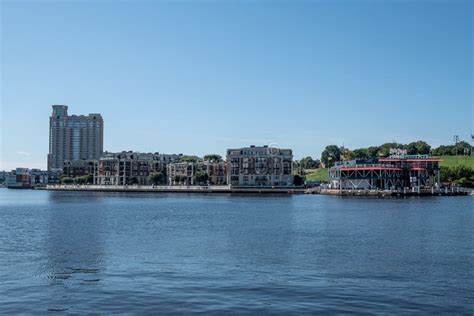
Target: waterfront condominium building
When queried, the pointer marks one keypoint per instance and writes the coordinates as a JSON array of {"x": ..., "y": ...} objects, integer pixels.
[
  {"x": 259, "y": 166},
  {"x": 185, "y": 172},
  {"x": 24, "y": 178},
  {"x": 127, "y": 167},
  {"x": 79, "y": 168},
  {"x": 73, "y": 137}
]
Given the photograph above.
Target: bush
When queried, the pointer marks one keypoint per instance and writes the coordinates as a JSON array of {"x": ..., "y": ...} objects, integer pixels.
[
  {"x": 213, "y": 158},
  {"x": 298, "y": 180},
  {"x": 466, "y": 182},
  {"x": 157, "y": 178},
  {"x": 462, "y": 175},
  {"x": 201, "y": 177},
  {"x": 179, "y": 179},
  {"x": 67, "y": 180}
]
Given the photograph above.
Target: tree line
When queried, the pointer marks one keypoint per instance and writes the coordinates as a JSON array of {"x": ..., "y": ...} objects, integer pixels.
[{"x": 333, "y": 153}]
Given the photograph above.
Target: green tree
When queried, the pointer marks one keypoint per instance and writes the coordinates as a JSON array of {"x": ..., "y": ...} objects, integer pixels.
[
  {"x": 67, "y": 180},
  {"x": 201, "y": 177},
  {"x": 89, "y": 178},
  {"x": 443, "y": 150},
  {"x": 157, "y": 178},
  {"x": 373, "y": 151},
  {"x": 213, "y": 158},
  {"x": 384, "y": 149},
  {"x": 177, "y": 179},
  {"x": 330, "y": 155},
  {"x": 418, "y": 148},
  {"x": 307, "y": 163},
  {"x": 462, "y": 148},
  {"x": 466, "y": 182},
  {"x": 346, "y": 153},
  {"x": 361, "y": 153},
  {"x": 411, "y": 149},
  {"x": 298, "y": 180},
  {"x": 423, "y": 147},
  {"x": 85, "y": 179},
  {"x": 180, "y": 179},
  {"x": 189, "y": 159},
  {"x": 445, "y": 174},
  {"x": 80, "y": 180}
]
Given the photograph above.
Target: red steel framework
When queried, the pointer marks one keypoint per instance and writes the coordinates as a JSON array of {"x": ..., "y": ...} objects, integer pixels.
[
  {"x": 375, "y": 177},
  {"x": 387, "y": 174}
]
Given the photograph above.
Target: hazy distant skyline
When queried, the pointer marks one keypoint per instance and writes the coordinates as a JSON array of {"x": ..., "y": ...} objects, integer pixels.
[{"x": 198, "y": 77}]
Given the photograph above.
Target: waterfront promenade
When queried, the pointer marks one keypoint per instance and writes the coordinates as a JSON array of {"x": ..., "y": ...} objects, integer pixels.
[{"x": 176, "y": 189}]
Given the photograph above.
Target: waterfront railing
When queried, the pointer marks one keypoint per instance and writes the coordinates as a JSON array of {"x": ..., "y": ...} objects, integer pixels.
[{"x": 140, "y": 187}]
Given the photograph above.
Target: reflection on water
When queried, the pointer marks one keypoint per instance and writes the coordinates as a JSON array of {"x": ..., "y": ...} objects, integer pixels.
[
  {"x": 74, "y": 248},
  {"x": 101, "y": 197},
  {"x": 73, "y": 197}
]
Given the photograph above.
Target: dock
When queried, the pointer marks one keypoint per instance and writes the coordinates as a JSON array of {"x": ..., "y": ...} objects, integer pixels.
[{"x": 448, "y": 191}]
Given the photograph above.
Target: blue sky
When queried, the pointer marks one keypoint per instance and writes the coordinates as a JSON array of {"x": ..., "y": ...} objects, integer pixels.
[{"x": 198, "y": 77}]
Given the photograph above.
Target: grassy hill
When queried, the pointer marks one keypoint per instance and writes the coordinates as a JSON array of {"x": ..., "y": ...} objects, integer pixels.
[
  {"x": 451, "y": 161},
  {"x": 321, "y": 174}
]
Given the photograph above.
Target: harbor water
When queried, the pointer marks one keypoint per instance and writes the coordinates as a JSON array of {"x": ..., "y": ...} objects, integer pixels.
[{"x": 104, "y": 253}]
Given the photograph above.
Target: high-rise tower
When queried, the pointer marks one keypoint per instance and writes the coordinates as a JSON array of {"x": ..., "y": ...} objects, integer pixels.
[{"x": 74, "y": 137}]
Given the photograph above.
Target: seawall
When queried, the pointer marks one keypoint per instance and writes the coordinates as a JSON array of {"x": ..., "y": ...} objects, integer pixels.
[{"x": 176, "y": 189}]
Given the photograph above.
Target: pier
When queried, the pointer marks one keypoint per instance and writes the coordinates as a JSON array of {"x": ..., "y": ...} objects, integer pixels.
[{"x": 448, "y": 191}]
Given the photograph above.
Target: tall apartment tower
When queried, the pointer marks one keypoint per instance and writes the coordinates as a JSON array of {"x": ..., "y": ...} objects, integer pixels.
[{"x": 74, "y": 137}]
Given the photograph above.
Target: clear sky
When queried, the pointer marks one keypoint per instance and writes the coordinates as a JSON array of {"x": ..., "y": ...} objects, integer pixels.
[{"x": 198, "y": 77}]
